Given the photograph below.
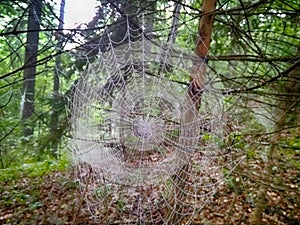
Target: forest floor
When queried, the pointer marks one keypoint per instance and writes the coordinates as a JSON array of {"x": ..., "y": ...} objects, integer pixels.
[{"x": 55, "y": 198}]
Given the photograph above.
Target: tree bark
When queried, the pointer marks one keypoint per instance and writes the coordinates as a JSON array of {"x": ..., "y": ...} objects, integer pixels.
[
  {"x": 189, "y": 135},
  {"x": 56, "y": 85},
  {"x": 31, "y": 52},
  {"x": 285, "y": 107},
  {"x": 175, "y": 21}
]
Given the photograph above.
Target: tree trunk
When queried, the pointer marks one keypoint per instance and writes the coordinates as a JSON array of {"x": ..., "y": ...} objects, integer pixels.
[
  {"x": 56, "y": 85},
  {"x": 31, "y": 52},
  {"x": 189, "y": 135},
  {"x": 175, "y": 21},
  {"x": 285, "y": 108}
]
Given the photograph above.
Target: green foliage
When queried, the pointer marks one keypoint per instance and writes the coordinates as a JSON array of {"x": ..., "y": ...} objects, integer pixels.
[
  {"x": 36, "y": 169},
  {"x": 121, "y": 205},
  {"x": 103, "y": 191}
]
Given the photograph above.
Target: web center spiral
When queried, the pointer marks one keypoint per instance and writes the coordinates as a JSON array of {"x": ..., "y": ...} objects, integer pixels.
[{"x": 144, "y": 129}]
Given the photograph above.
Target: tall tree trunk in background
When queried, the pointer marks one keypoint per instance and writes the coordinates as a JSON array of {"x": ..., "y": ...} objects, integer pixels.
[
  {"x": 189, "y": 135},
  {"x": 287, "y": 107},
  {"x": 31, "y": 52},
  {"x": 292, "y": 88},
  {"x": 175, "y": 21},
  {"x": 55, "y": 134}
]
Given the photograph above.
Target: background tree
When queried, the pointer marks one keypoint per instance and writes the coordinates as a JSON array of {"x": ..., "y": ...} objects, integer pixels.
[
  {"x": 31, "y": 52},
  {"x": 56, "y": 98}
]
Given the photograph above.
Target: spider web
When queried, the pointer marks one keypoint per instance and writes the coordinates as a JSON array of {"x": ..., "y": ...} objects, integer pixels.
[{"x": 135, "y": 156}]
